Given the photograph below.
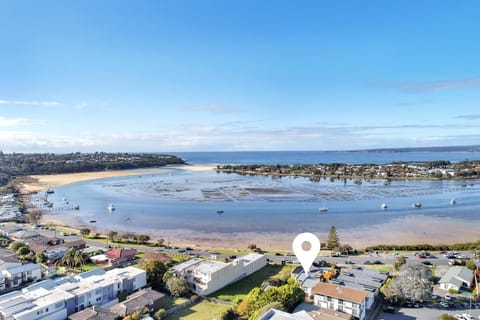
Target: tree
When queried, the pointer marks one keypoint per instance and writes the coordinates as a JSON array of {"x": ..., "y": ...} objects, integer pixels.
[
  {"x": 136, "y": 315},
  {"x": 228, "y": 315},
  {"x": 160, "y": 242},
  {"x": 142, "y": 238},
  {"x": 159, "y": 314},
  {"x": 40, "y": 258},
  {"x": 23, "y": 251},
  {"x": 85, "y": 231},
  {"x": 471, "y": 264},
  {"x": 400, "y": 261},
  {"x": 177, "y": 286},
  {"x": 333, "y": 241},
  {"x": 73, "y": 258},
  {"x": 155, "y": 271},
  {"x": 35, "y": 216},
  {"x": 413, "y": 282},
  {"x": 112, "y": 235},
  {"x": 16, "y": 245}
]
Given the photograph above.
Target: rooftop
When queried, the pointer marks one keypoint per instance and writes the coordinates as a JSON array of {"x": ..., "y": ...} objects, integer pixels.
[{"x": 340, "y": 292}]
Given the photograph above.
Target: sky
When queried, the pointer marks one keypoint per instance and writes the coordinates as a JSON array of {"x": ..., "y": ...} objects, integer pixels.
[{"x": 202, "y": 75}]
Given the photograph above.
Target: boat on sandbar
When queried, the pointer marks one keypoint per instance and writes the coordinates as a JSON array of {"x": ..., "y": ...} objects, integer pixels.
[
  {"x": 453, "y": 202},
  {"x": 111, "y": 207},
  {"x": 417, "y": 204},
  {"x": 384, "y": 206}
]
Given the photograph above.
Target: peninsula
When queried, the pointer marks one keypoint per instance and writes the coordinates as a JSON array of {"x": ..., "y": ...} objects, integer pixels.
[{"x": 391, "y": 171}]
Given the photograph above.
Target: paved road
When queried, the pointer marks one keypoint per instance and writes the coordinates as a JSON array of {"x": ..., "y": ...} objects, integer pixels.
[{"x": 380, "y": 258}]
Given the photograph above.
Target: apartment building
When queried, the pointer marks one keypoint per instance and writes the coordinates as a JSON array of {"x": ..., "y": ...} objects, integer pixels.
[
  {"x": 17, "y": 274},
  {"x": 205, "y": 277},
  {"x": 56, "y": 300},
  {"x": 336, "y": 297}
]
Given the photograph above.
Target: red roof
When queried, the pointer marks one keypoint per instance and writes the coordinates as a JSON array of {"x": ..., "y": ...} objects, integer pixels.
[{"x": 118, "y": 252}]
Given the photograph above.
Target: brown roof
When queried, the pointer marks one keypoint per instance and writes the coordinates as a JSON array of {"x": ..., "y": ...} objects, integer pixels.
[
  {"x": 156, "y": 256},
  {"x": 339, "y": 292},
  {"x": 45, "y": 244},
  {"x": 136, "y": 301}
]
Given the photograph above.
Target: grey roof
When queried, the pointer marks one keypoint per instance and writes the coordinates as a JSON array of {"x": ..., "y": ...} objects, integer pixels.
[
  {"x": 24, "y": 268},
  {"x": 274, "y": 314},
  {"x": 457, "y": 275}
]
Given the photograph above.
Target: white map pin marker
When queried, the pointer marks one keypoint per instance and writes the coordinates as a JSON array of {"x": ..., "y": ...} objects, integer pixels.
[{"x": 306, "y": 257}]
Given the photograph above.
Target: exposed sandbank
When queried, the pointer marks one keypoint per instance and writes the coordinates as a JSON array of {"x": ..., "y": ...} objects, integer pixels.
[{"x": 37, "y": 183}]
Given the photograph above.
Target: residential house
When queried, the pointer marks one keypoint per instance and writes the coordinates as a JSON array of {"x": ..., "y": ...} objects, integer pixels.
[
  {"x": 205, "y": 277},
  {"x": 339, "y": 298},
  {"x": 456, "y": 278},
  {"x": 118, "y": 255},
  {"x": 54, "y": 248},
  {"x": 143, "y": 300}
]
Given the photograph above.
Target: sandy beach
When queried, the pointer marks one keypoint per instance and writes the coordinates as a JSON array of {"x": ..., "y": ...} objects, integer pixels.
[{"x": 37, "y": 183}]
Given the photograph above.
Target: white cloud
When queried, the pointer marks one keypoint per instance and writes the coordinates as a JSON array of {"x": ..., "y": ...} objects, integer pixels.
[
  {"x": 224, "y": 137},
  {"x": 32, "y": 103},
  {"x": 13, "y": 122}
]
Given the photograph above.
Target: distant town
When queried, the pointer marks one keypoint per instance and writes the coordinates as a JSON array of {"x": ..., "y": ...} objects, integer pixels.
[{"x": 393, "y": 171}]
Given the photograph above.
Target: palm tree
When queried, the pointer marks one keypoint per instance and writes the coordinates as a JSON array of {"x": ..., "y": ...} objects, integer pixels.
[{"x": 73, "y": 258}]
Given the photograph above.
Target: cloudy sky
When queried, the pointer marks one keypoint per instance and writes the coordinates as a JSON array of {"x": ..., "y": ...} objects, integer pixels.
[{"x": 205, "y": 75}]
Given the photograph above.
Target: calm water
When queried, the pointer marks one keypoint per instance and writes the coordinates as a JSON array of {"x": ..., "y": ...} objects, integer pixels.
[
  {"x": 313, "y": 157},
  {"x": 184, "y": 201}
]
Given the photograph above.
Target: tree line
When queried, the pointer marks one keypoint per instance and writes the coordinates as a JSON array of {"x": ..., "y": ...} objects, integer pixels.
[{"x": 18, "y": 164}]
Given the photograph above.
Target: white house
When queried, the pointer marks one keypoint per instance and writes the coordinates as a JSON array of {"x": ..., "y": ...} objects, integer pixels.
[
  {"x": 336, "y": 297},
  {"x": 56, "y": 300},
  {"x": 19, "y": 275},
  {"x": 205, "y": 277},
  {"x": 456, "y": 277}
]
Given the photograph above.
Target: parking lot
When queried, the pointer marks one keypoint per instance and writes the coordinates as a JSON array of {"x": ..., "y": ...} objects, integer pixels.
[{"x": 426, "y": 313}]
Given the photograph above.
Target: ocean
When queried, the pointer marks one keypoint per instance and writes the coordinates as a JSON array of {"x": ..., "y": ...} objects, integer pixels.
[{"x": 205, "y": 205}]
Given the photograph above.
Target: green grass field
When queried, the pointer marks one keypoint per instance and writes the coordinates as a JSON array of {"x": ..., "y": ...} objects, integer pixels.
[
  {"x": 241, "y": 288},
  {"x": 202, "y": 310}
]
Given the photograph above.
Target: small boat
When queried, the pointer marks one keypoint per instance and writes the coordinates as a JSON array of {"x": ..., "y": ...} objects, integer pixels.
[
  {"x": 219, "y": 211},
  {"x": 93, "y": 221},
  {"x": 453, "y": 202},
  {"x": 358, "y": 182},
  {"x": 76, "y": 207},
  {"x": 323, "y": 208},
  {"x": 111, "y": 207},
  {"x": 417, "y": 204},
  {"x": 384, "y": 206},
  {"x": 49, "y": 191}
]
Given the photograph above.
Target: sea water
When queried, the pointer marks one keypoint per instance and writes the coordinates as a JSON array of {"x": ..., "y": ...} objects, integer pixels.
[{"x": 208, "y": 202}]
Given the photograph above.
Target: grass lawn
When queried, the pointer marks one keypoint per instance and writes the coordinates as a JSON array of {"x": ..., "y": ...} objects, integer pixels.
[
  {"x": 379, "y": 267},
  {"x": 168, "y": 302},
  {"x": 201, "y": 310},
  {"x": 90, "y": 266},
  {"x": 241, "y": 288}
]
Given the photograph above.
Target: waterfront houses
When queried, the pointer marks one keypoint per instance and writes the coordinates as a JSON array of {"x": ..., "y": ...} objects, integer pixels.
[{"x": 206, "y": 277}]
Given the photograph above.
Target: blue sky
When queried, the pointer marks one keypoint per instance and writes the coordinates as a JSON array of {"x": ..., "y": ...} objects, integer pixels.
[{"x": 238, "y": 75}]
